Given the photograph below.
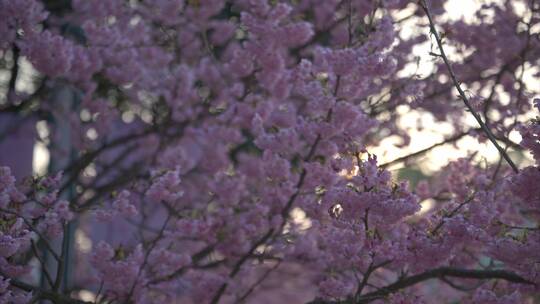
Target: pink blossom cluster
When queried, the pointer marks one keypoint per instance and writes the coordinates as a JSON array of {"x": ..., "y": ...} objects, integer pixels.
[{"x": 223, "y": 152}]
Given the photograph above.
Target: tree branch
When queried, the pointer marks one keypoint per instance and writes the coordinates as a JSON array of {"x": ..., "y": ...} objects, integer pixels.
[
  {"x": 442, "y": 272},
  {"x": 45, "y": 294},
  {"x": 437, "y": 273},
  {"x": 425, "y": 150}
]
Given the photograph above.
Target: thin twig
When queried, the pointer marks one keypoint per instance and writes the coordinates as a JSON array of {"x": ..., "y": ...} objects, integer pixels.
[
  {"x": 452, "y": 213},
  {"x": 34, "y": 229},
  {"x": 491, "y": 137},
  {"x": 145, "y": 261},
  {"x": 43, "y": 267},
  {"x": 258, "y": 282},
  {"x": 425, "y": 150}
]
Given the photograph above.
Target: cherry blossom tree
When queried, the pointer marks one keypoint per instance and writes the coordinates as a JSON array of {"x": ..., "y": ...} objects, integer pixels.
[{"x": 228, "y": 151}]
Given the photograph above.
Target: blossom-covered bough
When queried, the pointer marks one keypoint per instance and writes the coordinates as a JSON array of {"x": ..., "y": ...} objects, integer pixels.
[{"x": 213, "y": 151}]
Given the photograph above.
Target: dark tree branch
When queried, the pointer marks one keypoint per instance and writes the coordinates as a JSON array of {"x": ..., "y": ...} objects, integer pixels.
[
  {"x": 437, "y": 273},
  {"x": 443, "y": 272},
  {"x": 14, "y": 71},
  {"x": 45, "y": 294}
]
